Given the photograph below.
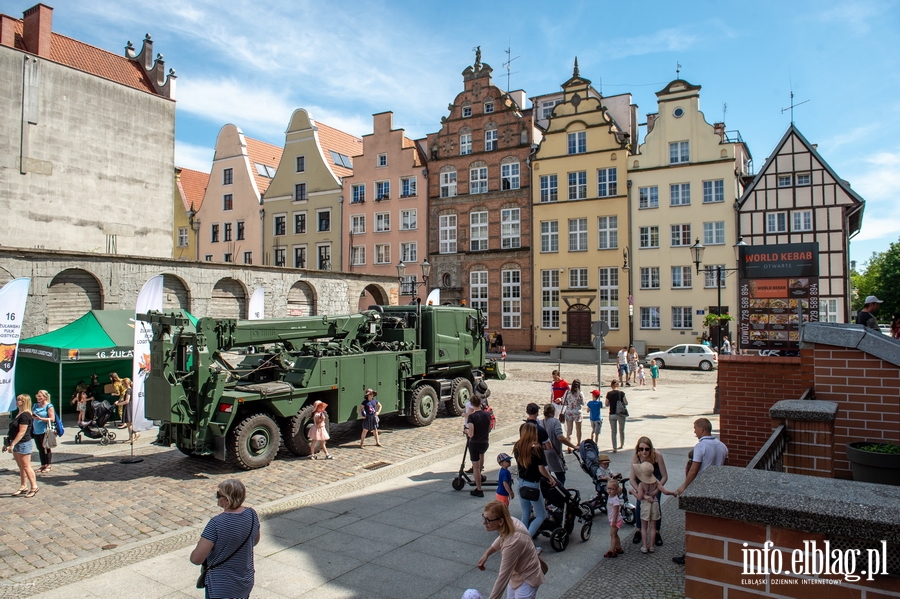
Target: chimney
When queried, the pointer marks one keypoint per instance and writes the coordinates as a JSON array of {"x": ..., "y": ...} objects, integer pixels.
[
  {"x": 37, "y": 30},
  {"x": 651, "y": 121},
  {"x": 7, "y": 31},
  {"x": 719, "y": 129}
]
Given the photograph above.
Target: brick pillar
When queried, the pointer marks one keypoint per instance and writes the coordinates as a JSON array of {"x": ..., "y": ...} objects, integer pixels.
[
  {"x": 810, "y": 428},
  {"x": 37, "y": 31}
]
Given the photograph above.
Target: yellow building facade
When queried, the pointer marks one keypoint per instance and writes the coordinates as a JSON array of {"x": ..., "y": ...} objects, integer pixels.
[
  {"x": 580, "y": 214},
  {"x": 684, "y": 185}
]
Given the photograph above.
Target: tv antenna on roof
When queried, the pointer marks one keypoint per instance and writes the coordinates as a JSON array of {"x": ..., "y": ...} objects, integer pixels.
[
  {"x": 677, "y": 70},
  {"x": 507, "y": 64},
  {"x": 724, "y": 110},
  {"x": 791, "y": 107}
]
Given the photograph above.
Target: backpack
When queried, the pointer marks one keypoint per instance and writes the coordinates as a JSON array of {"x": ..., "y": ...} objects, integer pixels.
[
  {"x": 486, "y": 408},
  {"x": 60, "y": 429}
]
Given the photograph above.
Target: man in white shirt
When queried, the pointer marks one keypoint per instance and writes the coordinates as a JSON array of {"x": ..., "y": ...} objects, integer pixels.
[{"x": 622, "y": 363}]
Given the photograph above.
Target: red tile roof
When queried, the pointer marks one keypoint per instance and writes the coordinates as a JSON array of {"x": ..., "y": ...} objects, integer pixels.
[
  {"x": 262, "y": 153},
  {"x": 342, "y": 143},
  {"x": 192, "y": 185},
  {"x": 418, "y": 159},
  {"x": 94, "y": 61}
]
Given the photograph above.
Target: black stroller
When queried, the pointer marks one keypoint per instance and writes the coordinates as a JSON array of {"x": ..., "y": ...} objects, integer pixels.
[
  {"x": 100, "y": 411},
  {"x": 588, "y": 456},
  {"x": 563, "y": 508}
]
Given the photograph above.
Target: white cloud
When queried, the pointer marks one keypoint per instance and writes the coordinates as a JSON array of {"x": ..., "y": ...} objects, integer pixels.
[
  {"x": 862, "y": 133},
  {"x": 663, "y": 40},
  {"x": 231, "y": 101},
  {"x": 877, "y": 183},
  {"x": 854, "y": 15},
  {"x": 192, "y": 156}
]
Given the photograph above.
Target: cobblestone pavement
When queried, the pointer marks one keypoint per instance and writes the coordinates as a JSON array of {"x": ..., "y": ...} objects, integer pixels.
[{"x": 95, "y": 506}]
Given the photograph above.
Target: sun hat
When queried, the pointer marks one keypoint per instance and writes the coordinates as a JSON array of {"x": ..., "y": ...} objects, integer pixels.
[
  {"x": 602, "y": 458},
  {"x": 873, "y": 300},
  {"x": 320, "y": 406},
  {"x": 644, "y": 473},
  {"x": 503, "y": 457}
]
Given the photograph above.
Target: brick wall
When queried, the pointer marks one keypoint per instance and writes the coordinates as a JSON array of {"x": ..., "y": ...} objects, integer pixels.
[
  {"x": 748, "y": 386},
  {"x": 715, "y": 564},
  {"x": 810, "y": 450},
  {"x": 867, "y": 390}
]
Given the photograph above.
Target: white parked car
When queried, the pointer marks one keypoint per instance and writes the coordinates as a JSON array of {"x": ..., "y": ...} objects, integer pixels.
[
  {"x": 688, "y": 355},
  {"x": 885, "y": 329}
]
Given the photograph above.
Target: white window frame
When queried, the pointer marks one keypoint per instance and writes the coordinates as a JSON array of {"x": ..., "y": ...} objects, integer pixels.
[
  {"x": 227, "y": 202},
  {"x": 447, "y": 231},
  {"x": 359, "y": 194},
  {"x": 300, "y": 164},
  {"x": 300, "y": 194},
  {"x": 578, "y": 185},
  {"x": 776, "y": 222},
  {"x": 490, "y": 140},
  {"x": 829, "y": 310},
  {"x": 549, "y": 236},
  {"x": 228, "y": 176},
  {"x": 465, "y": 144},
  {"x": 576, "y": 142},
  {"x": 802, "y": 220},
  {"x": 608, "y": 296},
  {"x": 478, "y": 291},
  {"x": 714, "y": 191},
  {"x": 679, "y": 152},
  {"x": 408, "y": 187},
  {"x": 382, "y": 222},
  {"x": 650, "y": 317},
  {"x": 549, "y": 188},
  {"x": 319, "y": 214},
  {"x": 279, "y": 221},
  {"x": 466, "y": 111},
  {"x": 511, "y": 298},
  {"x": 784, "y": 181},
  {"x": 448, "y": 184},
  {"x": 408, "y": 220},
  {"x": 681, "y": 235},
  {"x": 709, "y": 276},
  {"x": 804, "y": 179},
  {"x": 478, "y": 231},
  {"x": 648, "y": 197},
  {"x": 409, "y": 252},
  {"x": 183, "y": 239},
  {"x": 682, "y": 317},
  {"x": 300, "y": 224},
  {"x": 358, "y": 224},
  {"x": 648, "y": 233},
  {"x": 214, "y": 233},
  {"x": 607, "y": 182},
  {"x": 358, "y": 255},
  {"x": 301, "y": 256},
  {"x": 714, "y": 233},
  {"x": 682, "y": 277},
  {"x": 578, "y": 235},
  {"x": 382, "y": 253},
  {"x": 478, "y": 179},
  {"x": 382, "y": 190},
  {"x": 248, "y": 257},
  {"x": 550, "y": 299},
  {"x": 510, "y": 228},
  {"x": 324, "y": 258},
  {"x": 509, "y": 176},
  {"x": 607, "y": 232},
  {"x": 650, "y": 277},
  {"x": 381, "y": 161},
  {"x": 680, "y": 194},
  {"x": 489, "y": 107},
  {"x": 578, "y": 278},
  {"x": 226, "y": 232}
]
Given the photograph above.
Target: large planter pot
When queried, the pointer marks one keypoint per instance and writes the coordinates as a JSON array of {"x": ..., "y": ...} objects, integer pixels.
[{"x": 872, "y": 466}]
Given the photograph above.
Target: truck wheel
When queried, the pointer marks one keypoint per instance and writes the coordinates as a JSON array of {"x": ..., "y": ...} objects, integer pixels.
[
  {"x": 253, "y": 442},
  {"x": 295, "y": 431},
  {"x": 423, "y": 406},
  {"x": 460, "y": 393}
]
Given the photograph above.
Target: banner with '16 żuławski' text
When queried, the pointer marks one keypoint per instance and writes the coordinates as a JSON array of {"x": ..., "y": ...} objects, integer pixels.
[{"x": 12, "y": 312}]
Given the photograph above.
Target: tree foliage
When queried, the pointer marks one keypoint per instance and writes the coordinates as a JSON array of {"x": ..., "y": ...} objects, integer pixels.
[{"x": 881, "y": 278}]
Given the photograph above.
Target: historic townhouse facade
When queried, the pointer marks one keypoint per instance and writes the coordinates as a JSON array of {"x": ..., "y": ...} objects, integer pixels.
[
  {"x": 797, "y": 197},
  {"x": 580, "y": 208},
  {"x": 302, "y": 226},
  {"x": 384, "y": 212},
  {"x": 479, "y": 205},
  {"x": 229, "y": 221},
  {"x": 683, "y": 186},
  {"x": 190, "y": 187}
]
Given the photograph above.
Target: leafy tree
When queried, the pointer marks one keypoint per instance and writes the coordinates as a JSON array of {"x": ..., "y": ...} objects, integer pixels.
[{"x": 881, "y": 278}]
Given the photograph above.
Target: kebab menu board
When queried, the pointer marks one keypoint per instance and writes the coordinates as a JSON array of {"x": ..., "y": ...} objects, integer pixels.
[{"x": 779, "y": 290}]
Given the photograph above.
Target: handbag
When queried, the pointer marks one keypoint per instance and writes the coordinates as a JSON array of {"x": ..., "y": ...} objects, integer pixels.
[
  {"x": 204, "y": 568},
  {"x": 621, "y": 409},
  {"x": 50, "y": 438},
  {"x": 529, "y": 493},
  {"x": 544, "y": 566}
]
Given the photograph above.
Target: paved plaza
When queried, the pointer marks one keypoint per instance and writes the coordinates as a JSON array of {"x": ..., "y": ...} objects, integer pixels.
[{"x": 377, "y": 522}]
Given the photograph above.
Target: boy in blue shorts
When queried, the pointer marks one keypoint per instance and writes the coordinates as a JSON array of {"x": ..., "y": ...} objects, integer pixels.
[{"x": 596, "y": 408}]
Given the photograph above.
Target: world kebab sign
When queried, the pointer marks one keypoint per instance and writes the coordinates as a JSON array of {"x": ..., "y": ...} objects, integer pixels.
[{"x": 779, "y": 290}]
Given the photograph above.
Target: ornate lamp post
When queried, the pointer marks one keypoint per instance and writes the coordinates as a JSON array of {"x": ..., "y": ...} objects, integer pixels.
[{"x": 697, "y": 253}]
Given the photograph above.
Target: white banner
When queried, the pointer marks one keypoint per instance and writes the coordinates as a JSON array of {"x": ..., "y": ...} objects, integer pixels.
[
  {"x": 150, "y": 298},
  {"x": 12, "y": 311},
  {"x": 257, "y": 304}
]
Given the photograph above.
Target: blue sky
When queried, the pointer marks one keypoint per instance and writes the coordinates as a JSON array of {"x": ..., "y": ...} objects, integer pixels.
[{"x": 253, "y": 63}]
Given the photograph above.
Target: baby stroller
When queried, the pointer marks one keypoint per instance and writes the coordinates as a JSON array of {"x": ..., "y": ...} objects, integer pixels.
[
  {"x": 588, "y": 456},
  {"x": 563, "y": 508},
  {"x": 95, "y": 427}
]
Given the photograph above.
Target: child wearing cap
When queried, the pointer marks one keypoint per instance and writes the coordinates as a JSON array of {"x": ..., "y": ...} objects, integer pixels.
[
  {"x": 504, "y": 481},
  {"x": 648, "y": 493},
  {"x": 595, "y": 406}
]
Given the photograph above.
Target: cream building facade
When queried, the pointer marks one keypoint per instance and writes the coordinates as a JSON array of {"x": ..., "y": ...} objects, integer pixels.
[
  {"x": 580, "y": 210},
  {"x": 385, "y": 205},
  {"x": 190, "y": 187},
  {"x": 302, "y": 207},
  {"x": 684, "y": 184}
]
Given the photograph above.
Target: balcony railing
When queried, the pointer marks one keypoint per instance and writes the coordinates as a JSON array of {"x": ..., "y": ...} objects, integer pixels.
[{"x": 770, "y": 455}]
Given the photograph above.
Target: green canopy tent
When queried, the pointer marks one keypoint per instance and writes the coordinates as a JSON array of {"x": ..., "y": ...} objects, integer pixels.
[{"x": 100, "y": 342}]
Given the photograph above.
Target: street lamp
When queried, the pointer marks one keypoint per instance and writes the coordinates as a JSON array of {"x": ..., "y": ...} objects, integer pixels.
[
  {"x": 414, "y": 285},
  {"x": 697, "y": 252},
  {"x": 627, "y": 270}
]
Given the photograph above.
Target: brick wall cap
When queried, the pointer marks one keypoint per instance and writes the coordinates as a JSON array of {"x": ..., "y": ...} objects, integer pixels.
[
  {"x": 808, "y": 503},
  {"x": 854, "y": 336},
  {"x": 810, "y": 410}
]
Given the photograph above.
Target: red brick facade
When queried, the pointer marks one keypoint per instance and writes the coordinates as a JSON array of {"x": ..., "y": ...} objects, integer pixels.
[{"x": 481, "y": 115}]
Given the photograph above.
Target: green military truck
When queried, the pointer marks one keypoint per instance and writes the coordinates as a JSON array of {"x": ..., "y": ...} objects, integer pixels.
[{"x": 241, "y": 407}]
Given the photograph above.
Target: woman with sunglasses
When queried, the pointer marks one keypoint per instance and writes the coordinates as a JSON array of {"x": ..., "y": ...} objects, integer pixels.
[
  {"x": 19, "y": 444},
  {"x": 226, "y": 545},
  {"x": 644, "y": 452},
  {"x": 520, "y": 572}
]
